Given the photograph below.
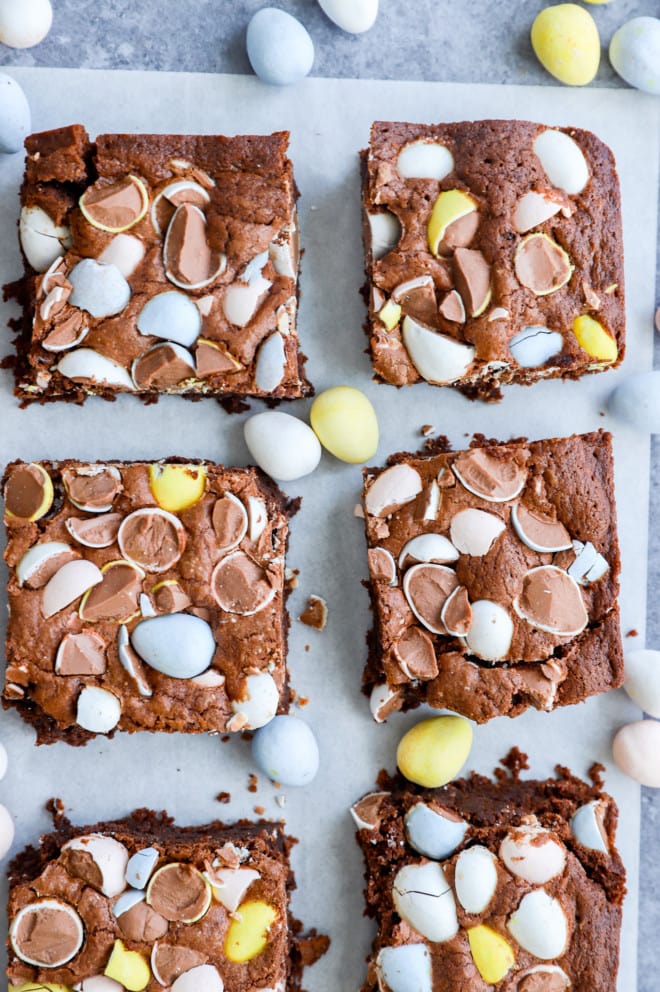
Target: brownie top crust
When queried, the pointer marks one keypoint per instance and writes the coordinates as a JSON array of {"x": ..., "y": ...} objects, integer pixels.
[{"x": 494, "y": 253}]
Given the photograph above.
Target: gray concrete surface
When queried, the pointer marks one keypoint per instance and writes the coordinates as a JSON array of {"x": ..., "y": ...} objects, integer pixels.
[{"x": 462, "y": 41}]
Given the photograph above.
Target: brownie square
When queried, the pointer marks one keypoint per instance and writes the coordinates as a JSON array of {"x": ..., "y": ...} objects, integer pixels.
[
  {"x": 508, "y": 884},
  {"x": 144, "y": 596},
  {"x": 494, "y": 254},
  {"x": 159, "y": 264},
  {"x": 494, "y": 577},
  {"x": 152, "y": 905}
]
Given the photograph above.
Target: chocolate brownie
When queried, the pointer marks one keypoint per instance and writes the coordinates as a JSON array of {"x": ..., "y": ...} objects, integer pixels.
[
  {"x": 145, "y": 596},
  {"x": 494, "y": 254},
  {"x": 494, "y": 577},
  {"x": 151, "y": 905},
  {"x": 509, "y": 885},
  {"x": 159, "y": 264}
]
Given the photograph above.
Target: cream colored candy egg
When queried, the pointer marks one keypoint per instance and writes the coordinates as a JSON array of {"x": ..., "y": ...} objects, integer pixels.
[
  {"x": 24, "y": 23},
  {"x": 566, "y": 42},
  {"x": 636, "y": 750},
  {"x": 433, "y": 752},
  {"x": 345, "y": 423},
  {"x": 643, "y": 679}
]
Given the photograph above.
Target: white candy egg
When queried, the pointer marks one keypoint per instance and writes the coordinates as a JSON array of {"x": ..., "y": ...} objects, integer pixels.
[
  {"x": 562, "y": 160},
  {"x": 6, "y": 830},
  {"x": 587, "y": 829},
  {"x": 109, "y": 856},
  {"x": 534, "y": 346},
  {"x": 394, "y": 487},
  {"x": 203, "y": 978},
  {"x": 286, "y": 751},
  {"x": 126, "y": 901},
  {"x": 260, "y": 702},
  {"x": 98, "y": 710},
  {"x": 100, "y": 983},
  {"x": 636, "y": 750},
  {"x": 635, "y": 53},
  {"x": 475, "y": 880},
  {"x": 37, "y": 556},
  {"x": 423, "y": 898},
  {"x": 271, "y": 363},
  {"x": 68, "y": 584},
  {"x": 432, "y": 833},
  {"x": 425, "y": 160},
  {"x": 636, "y": 402},
  {"x": 385, "y": 228},
  {"x": 353, "y": 16},
  {"x": 86, "y": 364},
  {"x": 491, "y": 631},
  {"x": 539, "y": 925},
  {"x": 283, "y": 446},
  {"x": 172, "y": 316},
  {"x": 229, "y": 885},
  {"x": 473, "y": 532},
  {"x": 26, "y": 23},
  {"x": 428, "y": 548},
  {"x": 643, "y": 679},
  {"x": 140, "y": 867},
  {"x": 99, "y": 289},
  {"x": 42, "y": 240},
  {"x": 15, "y": 121},
  {"x": 125, "y": 252},
  {"x": 279, "y": 48},
  {"x": 531, "y": 853},
  {"x": 405, "y": 969},
  {"x": 178, "y": 644},
  {"x": 437, "y": 357}
]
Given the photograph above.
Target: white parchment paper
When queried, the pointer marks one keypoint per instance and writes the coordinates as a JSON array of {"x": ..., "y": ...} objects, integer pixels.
[{"x": 329, "y": 120}]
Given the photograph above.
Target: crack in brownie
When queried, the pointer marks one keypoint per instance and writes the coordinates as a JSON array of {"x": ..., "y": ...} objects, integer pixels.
[
  {"x": 494, "y": 254},
  {"x": 142, "y": 904},
  {"x": 145, "y": 596},
  {"x": 159, "y": 264},
  {"x": 509, "y": 885},
  {"x": 494, "y": 577}
]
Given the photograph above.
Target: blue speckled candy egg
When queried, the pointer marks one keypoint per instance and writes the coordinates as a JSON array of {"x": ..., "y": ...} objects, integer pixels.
[
  {"x": 279, "y": 48},
  {"x": 14, "y": 115},
  {"x": 286, "y": 751},
  {"x": 635, "y": 53}
]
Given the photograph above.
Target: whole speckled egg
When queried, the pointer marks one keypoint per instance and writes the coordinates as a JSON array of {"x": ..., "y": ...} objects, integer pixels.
[
  {"x": 286, "y": 751},
  {"x": 24, "y": 23},
  {"x": 14, "y": 115},
  {"x": 279, "y": 48},
  {"x": 566, "y": 42},
  {"x": 635, "y": 53}
]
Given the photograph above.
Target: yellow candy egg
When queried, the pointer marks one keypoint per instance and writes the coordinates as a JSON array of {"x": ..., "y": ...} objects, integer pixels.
[
  {"x": 248, "y": 931},
  {"x": 566, "y": 42},
  {"x": 390, "y": 314},
  {"x": 594, "y": 339},
  {"x": 490, "y": 952},
  {"x": 450, "y": 206},
  {"x": 128, "y": 968},
  {"x": 345, "y": 423},
  {"x": 176, "y": 487},
  {"x": 433, "y": 752}
]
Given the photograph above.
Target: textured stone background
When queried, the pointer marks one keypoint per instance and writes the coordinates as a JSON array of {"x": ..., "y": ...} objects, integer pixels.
[{"x": 463, "y": 41}]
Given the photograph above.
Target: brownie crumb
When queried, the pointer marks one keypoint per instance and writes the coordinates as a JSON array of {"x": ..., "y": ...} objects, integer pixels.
[
  {"x": 632, "y": 633},
  {"x": 223, "y": 797},
  {"x": 315, "y": 613},
  {"x": 253, "y": 783}
]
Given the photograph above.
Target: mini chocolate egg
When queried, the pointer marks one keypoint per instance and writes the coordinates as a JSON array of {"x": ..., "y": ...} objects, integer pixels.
[
  {"x": 353, "y": 16},
  {"x": 636, "y": 402},
  {"x": 282, "y": 445},
  {"x": 286, "y": 751},
  {"x": 15, "y": 121},
  {"x": 566, "y": 42},
  {"x": 24, "y": 24},
  {"x": 643, "y": 680},
  {"x": 636, "y": 748},
  {"x": 635, "y": 53},
  {"x": 279, "y": 48}
]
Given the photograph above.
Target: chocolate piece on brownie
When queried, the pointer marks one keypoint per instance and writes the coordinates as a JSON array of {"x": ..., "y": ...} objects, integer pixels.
[
  {"x": 511, "y": 885},
  {"x": 159, "y": 264},
  {"x": 151, "y": 905},
  {"x": 494, "y": 577},
  {"x": 145, "y": 596},
  {"x": 494, "y": 254}
]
